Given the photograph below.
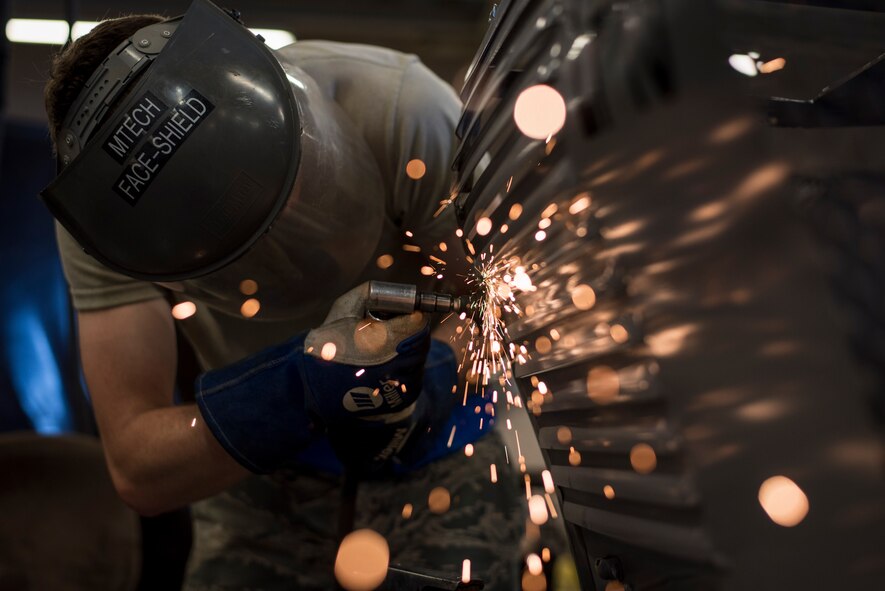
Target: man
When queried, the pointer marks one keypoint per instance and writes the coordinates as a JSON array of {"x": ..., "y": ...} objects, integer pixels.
[{"x": 197, "y": 165}]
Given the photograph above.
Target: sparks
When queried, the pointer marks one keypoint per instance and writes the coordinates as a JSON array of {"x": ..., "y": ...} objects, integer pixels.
[
  {"x": 548, "y": 481},
  {"x": 452, "y": 436},
  {"x": 488, "y": 352},
  {"x": 550, "y": 506}
]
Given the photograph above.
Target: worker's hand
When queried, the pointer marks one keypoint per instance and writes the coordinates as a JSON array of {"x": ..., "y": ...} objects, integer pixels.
[
  {"x": 354, "y": 380},
  {"x": 363, "y": 377},
  {"x": 364, "y": 368}
]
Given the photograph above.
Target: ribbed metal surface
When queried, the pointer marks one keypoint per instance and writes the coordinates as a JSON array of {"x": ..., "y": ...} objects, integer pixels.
[{"x": 679, "y": 301}]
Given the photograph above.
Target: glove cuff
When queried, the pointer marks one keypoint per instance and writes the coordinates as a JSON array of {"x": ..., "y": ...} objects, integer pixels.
[{"x": 256, "y": 407}]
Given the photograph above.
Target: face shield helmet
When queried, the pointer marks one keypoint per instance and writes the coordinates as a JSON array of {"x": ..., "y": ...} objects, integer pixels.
[{"x": 219, "y": 165}]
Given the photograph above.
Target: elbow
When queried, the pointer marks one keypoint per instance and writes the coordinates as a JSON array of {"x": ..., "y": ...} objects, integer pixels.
[
  {"x": 139, "y": 497},
  {"x": 142, "y": 506}
]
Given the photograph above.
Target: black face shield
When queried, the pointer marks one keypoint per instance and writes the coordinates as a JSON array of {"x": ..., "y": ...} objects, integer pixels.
[{"x": 195, "y": 163}]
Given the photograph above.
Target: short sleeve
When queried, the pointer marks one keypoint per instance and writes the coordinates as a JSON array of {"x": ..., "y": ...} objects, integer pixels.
[
  {"x": 92, "y": 285},
  {"x": 424, "y": 129}
]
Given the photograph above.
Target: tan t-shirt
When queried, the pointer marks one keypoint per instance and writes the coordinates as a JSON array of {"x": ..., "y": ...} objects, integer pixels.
[{"x": 403, "y": 111}]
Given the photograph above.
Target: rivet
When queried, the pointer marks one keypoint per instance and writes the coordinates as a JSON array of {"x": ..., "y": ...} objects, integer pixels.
[
  {"x": 610, "y": 568},
  {"x": 144, "y": 43},
  {"x": 69, "y": 140},
  {"x": 167, "y": 33},
  {"x": 66, "y": 159}
]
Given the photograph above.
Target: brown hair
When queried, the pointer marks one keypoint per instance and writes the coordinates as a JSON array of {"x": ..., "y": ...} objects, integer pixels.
[{"x": 72, "y": 67}]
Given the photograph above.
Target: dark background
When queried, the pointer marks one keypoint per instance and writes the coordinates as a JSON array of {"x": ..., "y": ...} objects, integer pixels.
[{"x": 443, "y": 33}]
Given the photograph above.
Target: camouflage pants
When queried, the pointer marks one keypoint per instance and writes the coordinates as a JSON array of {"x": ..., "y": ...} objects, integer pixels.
[{"x": 280, "y": 531}]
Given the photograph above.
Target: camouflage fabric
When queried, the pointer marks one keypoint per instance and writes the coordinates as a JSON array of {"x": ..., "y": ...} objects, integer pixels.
[{"x": 280, "y": 531}]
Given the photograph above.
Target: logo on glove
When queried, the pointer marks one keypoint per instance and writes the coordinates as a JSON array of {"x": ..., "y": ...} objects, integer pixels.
[
  {"x": 361, "y": 398},
  {"x": 364, "y": 398}
]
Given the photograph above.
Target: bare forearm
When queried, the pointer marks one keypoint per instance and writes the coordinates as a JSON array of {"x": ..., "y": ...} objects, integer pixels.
[
  {"x": 165, "y": 458},
  {"x": 160, "y": 456}
]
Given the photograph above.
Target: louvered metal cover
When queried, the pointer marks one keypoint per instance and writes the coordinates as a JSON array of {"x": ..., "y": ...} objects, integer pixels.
[{"x": 682, "y": 318}]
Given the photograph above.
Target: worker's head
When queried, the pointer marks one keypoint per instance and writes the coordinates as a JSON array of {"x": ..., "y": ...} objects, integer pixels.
[{"x": 181, "y": 142}]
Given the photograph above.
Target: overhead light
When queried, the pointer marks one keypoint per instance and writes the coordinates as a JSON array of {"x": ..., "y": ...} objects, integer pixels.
[
  {"x": 37, "y": 30},
  {"x": 744, "y": 63},
  {"x": 41, "y": 30},
  {"x": 275, "y": 38},
  {"x": 55, "y": 32},
  {"x": 80, "y": 28}
]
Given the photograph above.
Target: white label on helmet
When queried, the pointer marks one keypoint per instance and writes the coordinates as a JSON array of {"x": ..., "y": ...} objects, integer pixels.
[
  {"x": 138, "y": 120},
  {"x": 145, "y": 164}
]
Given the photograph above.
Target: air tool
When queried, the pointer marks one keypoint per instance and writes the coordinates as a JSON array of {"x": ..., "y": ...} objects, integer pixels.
[{"x": 389, "y": 299}]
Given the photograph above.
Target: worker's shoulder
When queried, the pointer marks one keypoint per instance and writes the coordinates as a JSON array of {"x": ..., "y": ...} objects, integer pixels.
[
  {"x": 371, "y": 83},
  {"x": 332, "y": 58}
]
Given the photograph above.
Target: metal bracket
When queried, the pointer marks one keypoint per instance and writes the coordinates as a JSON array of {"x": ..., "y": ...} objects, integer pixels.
[
  {"x": 107, "y": 83},
  {"x": 854, "y": 101}
]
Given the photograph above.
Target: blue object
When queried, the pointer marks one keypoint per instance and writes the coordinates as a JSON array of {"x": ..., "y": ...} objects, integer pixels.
[
  {"x": 445, "y": 422},
  {"x": 39, "y": 379},
  {"x": 257, "y": 408},
  {"x": 34, "y": 370},
  {"x": 270, "y": 407}
]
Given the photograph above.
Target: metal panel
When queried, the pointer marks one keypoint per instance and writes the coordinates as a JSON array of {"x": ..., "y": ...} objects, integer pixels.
[{"x": 680, "y": 316}]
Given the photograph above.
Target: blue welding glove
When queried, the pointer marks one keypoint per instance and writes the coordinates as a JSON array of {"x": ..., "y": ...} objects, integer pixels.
[{"x": 353, "y": 379}]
